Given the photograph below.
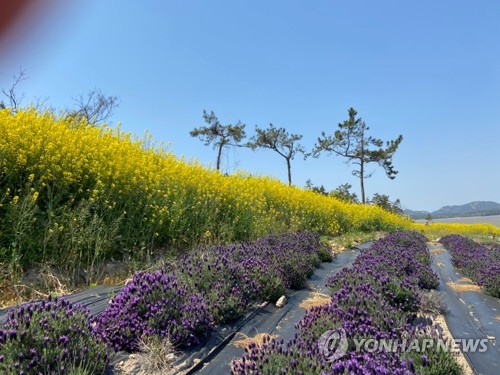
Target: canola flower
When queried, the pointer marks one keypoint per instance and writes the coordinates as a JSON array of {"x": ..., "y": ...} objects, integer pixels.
[
  {"x": 73, "y": 192},
  {"x": 436, "y": 230}
]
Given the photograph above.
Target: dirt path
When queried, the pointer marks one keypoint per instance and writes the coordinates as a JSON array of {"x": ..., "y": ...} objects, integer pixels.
[{"x": 472, "y": 314}]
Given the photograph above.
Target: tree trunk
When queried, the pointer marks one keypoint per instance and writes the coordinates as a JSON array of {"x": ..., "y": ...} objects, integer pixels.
[
  {"x": 361, "y": 179},
  {"x": 219, "y": 156},
  {"x": 362, "y": 164},
  {"x": 289, "y": 167}
]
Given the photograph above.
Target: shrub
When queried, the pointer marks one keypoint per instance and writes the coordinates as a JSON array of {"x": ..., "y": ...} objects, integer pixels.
[
  {"x": 477, "y": 261},
  {"x": 293, "y": 256},
  {"x": 376, "y": 298},
  {"x": 233, "y": 276},
  {"x": 325, "y": 253},
  {"x": 51, "y": 336},
  {"x": 300, "y": 357},
  {"x": 207, "y": 286},
  {"x": 154, "y": 304},
  {"x": 432, "y": 360},
  {"x": 431, "y": 302},
  {"x": 360, "y": 310}
]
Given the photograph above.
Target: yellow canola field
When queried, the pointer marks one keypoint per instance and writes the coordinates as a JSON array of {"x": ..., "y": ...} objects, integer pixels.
[
  {"x": 436, "y": 230},
  {"x": 68, "y": 184}
]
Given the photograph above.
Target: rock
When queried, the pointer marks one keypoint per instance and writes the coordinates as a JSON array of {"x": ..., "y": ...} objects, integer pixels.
[{"x": 281, "y": 302}]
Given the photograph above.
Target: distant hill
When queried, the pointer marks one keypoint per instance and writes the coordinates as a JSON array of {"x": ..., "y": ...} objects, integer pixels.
[
  {"x": 416, "y": 214},
  {"x": 479, "y": 208}
]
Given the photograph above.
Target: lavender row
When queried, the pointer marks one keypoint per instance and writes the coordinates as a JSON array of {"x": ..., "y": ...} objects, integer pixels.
[
  {"x": 477, "y": 261},
  {"x": 207, "y": 287},
  {"x": 377, "y": 298},
  {"x": 51, "y": 337}
]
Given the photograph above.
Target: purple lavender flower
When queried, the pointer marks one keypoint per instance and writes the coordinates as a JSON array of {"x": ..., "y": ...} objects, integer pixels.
[
  {"x": 61, "y": 338},
  {"x": 477, "y": 261}
]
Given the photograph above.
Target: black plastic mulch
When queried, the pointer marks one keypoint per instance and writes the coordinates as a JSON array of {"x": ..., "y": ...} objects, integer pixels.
[
  {"x": 215, "y": 353},
  {"x": 95, "y": 299},
  {"x": 470, "y": 315},
  {"x": 272, "y": 320}
]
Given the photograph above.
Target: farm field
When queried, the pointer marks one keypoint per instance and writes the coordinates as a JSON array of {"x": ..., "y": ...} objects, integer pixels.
[
  {"x": 365, "y": 302},
  {"x": 394, "y": 290},
  {"x": 345, "y": 310},
  {"x": 83, "y": 205},
  {"x": 212, "y": 188},
  {"x": 198, "y": 248},
  {"x": 74, "y": 196},
  {"x": 493, "y": 220}
]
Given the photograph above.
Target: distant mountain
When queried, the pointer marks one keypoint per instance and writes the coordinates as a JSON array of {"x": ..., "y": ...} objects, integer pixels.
[
  {"x": 469, "y": 209},
  {"x": 480, "y": 208},
  {"x": 416, "y": 214}
]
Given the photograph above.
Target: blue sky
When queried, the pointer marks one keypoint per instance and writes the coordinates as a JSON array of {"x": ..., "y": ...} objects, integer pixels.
[{"x": 429, "y": 70}]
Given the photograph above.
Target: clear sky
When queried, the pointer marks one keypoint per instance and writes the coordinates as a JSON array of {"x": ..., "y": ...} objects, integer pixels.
[{"x": 429, "y": 70}]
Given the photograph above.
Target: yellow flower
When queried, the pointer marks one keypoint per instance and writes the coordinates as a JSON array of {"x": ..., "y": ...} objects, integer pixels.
[{"x": 160, "y": 193}]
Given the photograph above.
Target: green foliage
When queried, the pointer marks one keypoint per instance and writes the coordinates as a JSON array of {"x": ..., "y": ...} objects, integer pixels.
[
  {"x": 221, "y": 136},
  {"x": 50, "y": 337},
  {"x": 317, "y": 189},
  {"x": 351, "y": 142},
  {"x": 384, "y": 202},
  {"x": 434, "y": 361},
  {"x": 280, "y": 141},
  {"x": 54, "y": 231},
  {"x": 325, "y": 253},
  {"x": 342, "y": 193}
]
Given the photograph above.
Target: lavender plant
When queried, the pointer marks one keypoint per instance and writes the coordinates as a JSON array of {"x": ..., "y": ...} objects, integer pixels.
[
  {"x": 360, "y": 311},
  {"x": 208, "y": 286},
  {"x": 477, "y": 261},
  {"x": 376, "y": 298},
  {"x": 297, "y": 356},
  {"x": 231, "y": 277},
  {"x": 273, "y": 357},
  {"x": 154, "y": 304},
  {"x": 50, "y": 337},
  {"x": 292, "y": 256}
]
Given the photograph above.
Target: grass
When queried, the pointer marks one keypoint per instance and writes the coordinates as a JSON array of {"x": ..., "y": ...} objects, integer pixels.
[{"x": 156, "y": 355}]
